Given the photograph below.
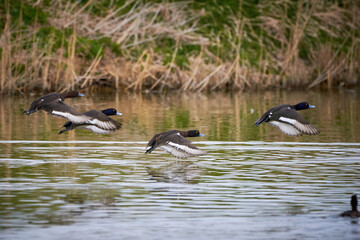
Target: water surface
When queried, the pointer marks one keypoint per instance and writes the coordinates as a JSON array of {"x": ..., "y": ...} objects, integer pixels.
[{"x": 254, "y": 183}]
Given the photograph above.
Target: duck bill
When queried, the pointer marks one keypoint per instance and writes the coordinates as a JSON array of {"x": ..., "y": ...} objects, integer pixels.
[
  {"x": 311, "y": 106},
  {"x": 201, "y": 135},
  {"x": 81, "y": 95},
  {"x": 118, "y": 113}
]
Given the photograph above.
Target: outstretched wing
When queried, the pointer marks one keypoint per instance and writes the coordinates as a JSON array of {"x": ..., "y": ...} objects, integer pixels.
[
  {"x": 97, "y": 122},
  {"x": 160, "y": 135},
  {"x": 180, "y": 147},
  {"x": 286, "y": 128},
  {"x": 107, "y": 124},
  {"x": 61, "y": 109},
  {"x": 40, "y": 102},
  {"x": 293, "y": 124}
]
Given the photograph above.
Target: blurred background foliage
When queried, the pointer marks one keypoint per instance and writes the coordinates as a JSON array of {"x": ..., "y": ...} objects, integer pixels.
[{"x": 185, "y": 45}]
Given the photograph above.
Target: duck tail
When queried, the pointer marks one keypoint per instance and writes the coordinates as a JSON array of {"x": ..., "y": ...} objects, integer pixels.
[
  {"x": 151, "y": 149},
  {"x": 30, "y": 111},
  {"x": 64, "y": 130},
  {"x": 67, "y": 125},
  {"x": 258, "y": 122},
  {"x": 27, "y": 112},
  {"x": 261, "y": 120}
]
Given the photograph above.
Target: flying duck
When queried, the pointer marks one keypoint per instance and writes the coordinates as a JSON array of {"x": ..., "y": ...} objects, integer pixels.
[
  {"x": 57, "y": 107},
  {"x": 353, "y": 212},
  {"x": 98, "y": 122},
  {"x": 288, "y": 120},
  {"x": 175, "y": 143},
  {"x": 42, "y": 102}
]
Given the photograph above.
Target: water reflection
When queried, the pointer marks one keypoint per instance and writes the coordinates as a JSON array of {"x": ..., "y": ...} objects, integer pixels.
[
  {"x": 175, "y": 172},
  {"x": 222, "y": 117},
  {"x": 67, "y": 183}
]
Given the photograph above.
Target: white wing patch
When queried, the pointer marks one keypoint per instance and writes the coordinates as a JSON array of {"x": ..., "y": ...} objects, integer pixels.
[
  {"x": 193, "y": 151},
  {"x": 288, "y": 120},
  {"x": 97, "y": 130},
  {"x": 305, "y": 128},
  {"x": 175, "y": 152},
  {"x": 181, "y": 151},
  {"x": 286, "y": 128},
  {"x": 73, "y": 118},
  {"x": 104, "y": 125}
]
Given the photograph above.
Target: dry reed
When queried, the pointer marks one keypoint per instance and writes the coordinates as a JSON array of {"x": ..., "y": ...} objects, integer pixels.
[{"x": 140, "y": 29}]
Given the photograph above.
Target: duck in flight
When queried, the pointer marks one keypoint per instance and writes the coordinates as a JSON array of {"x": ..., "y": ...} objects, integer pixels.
[
  {"x": 99, "y": 122},
  {"x": 175, "y": 143},
  {"x": 96, "y": 121},
  {"x": 288, "y": 120},
  {"x": 45, "y": 102}
]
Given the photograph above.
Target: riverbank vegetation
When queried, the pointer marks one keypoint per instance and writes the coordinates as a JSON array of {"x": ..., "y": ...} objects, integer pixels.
[{"x": 136, "y": 45}]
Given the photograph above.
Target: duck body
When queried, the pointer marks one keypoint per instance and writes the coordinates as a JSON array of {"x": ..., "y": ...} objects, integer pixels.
[
  {"x": 175, "y": 143},
  {"x": 288, "y": 120},
  {"x": 45, "y": 102},
  {"x": 54, "y": 104},
  {"x": 354, "y": 211},
  {"x": 96, "y": 121}
]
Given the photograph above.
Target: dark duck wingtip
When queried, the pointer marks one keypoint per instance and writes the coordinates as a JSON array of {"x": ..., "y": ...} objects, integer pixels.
[
  {"x": 152, "y": 148},
  {"x": 64, "y": 130},
  {"x": 67, "y": 126},
  {"x": 260, "y": 121},
  {"x": 34, "y": 107},
  {"x": 27, "y": 112}
]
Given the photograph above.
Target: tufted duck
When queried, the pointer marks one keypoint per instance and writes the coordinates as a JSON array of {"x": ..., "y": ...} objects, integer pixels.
[
  {"x": 175, "y": 143},
  {"x": 42, "y": 103},
  {"x": 353, "y": 212},
  {"x": 288, "y": 120},
  {"x": 99, "y": 122}
]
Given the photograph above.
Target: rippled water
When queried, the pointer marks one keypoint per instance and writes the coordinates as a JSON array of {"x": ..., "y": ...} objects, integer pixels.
[{"x": 254, "y": 183}]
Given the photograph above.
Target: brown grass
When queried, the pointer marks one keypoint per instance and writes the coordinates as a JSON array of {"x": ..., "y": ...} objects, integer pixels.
[{"x": 140, "y": 28}]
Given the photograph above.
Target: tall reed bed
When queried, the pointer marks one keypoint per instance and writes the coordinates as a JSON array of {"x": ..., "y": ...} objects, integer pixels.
[{"x": 188, "y": 45}]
